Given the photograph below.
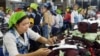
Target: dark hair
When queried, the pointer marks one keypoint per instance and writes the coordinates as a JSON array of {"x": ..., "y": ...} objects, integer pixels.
[
  {"x": 24, "y": 17},
  {"x": 48, "y": 6},
  {"x": 53, "y": 12}
]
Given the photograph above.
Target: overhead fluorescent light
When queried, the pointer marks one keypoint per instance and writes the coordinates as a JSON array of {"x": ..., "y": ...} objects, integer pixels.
[
  {"x": 62, "y": 1},
  {"x": 16, "y": 0},
  {"x": 39, "y": 1}
]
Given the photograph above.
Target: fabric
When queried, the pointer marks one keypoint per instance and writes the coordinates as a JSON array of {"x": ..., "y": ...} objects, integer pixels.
[
  {"x": 58, "y": 11},
  {"x": 77, "y": 33},
  {"x": 7, "y": 19},
  {"x": 55, "y": 31},
  {"x": 89, "y": 36},
  {"x": 37, "y": 28},
  {"x": 15, "y": 17},
  {"x": 82, "y": 25},
  {"x": 74, "y": 17},
  {"x": 58, "y": 21},
  {"x": 32, "y": 20},
  {"x": 34, "y": 6},
  {"x": 7, "y": 10},
  {"x": 45, "y": 31},
  {"x": 47, "y": 22},
  {"x": 37, "y": 18},
  {"x": 61, "y": 53},
  {"x": 48, "y": 18},
  {"x": 67, "y": 17},
  {"x": 10, "y": 41},
  {"x": 79, "y": 10},
  {"x": 80, "y": 17},
  {"x": 2, "y": 14},
  {"x": 1, "y": 34},
  {"x": 34, "y": 45},
  {"x": 1, "y": 53},
  {"x": 67, "y": 25},
  {"x": 47, "y": 5}
]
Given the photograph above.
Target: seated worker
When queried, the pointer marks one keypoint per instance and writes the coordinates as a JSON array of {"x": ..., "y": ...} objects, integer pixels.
[{"x": 16, "y": 39}]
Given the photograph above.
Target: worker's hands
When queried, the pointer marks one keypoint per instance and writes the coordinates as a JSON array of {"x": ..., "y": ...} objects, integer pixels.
[
  {"x": 42, "y": 52},
  {"x": 52, "y": 40}
]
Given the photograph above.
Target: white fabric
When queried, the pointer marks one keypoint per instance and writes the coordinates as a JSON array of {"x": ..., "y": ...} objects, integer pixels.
[
  {"x": 66, "y": 46},
  {"x": 33, "y": 35},
  {"x": 92, "y": 21},
  {"x": 91, "y": 13},
  {"x": 75, "y": 27}
]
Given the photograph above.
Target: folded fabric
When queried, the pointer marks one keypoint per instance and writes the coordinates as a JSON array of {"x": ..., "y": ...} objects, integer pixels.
[{"x": 91, "y": 36}]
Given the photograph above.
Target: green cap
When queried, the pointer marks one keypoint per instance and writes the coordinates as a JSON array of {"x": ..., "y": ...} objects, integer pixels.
[
  {"x": 15, "y": 17},
  {"x": 58, "y": 11},
  {"x": 34, "y": 6}
]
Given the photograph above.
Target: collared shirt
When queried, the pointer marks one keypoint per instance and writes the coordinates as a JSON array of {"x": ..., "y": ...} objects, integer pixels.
[{"x": 10, "y": 41}]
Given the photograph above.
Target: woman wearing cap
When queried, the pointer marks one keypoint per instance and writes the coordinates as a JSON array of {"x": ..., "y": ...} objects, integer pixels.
[{"x": 16, "y": 39}]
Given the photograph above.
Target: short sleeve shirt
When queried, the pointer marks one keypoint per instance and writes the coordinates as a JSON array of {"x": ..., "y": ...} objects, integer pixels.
[{"x": 10, "y": 41}]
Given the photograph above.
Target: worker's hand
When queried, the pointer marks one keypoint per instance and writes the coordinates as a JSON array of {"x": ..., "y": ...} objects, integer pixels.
[
  {"x": 42, "y": 52},
  {"x": 52, "y": 40}
]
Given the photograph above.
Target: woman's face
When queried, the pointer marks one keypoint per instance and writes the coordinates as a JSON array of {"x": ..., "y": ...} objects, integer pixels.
[
  {"x": 43, "y": 10},
  {"x": 23, "y": 26},
  {"x": 76, "y": 7}
]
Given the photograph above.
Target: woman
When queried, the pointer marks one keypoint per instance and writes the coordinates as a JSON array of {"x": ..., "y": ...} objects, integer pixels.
[
  {"x": 47, "y": 20},
  {"x": 58, "y": 22},
  {"x": 74, "y": 16},
  {"x": 16, "y": 39},
  {"x": 67, "y": 19}
]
